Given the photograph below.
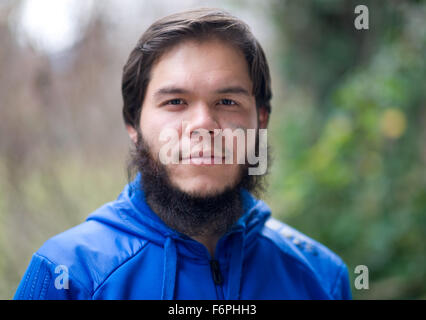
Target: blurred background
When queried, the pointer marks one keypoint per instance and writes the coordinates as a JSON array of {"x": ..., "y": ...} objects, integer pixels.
[{"x": 348, "y": 125}]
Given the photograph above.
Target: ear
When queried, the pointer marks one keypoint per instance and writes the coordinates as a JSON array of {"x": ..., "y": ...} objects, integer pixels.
[
  {"x": 263, "y": 118},
  {"x": 133, "y": 134}
]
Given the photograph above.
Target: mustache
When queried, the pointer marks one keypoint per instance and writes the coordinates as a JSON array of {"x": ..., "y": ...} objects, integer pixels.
[{"x": 193, "y": 148}]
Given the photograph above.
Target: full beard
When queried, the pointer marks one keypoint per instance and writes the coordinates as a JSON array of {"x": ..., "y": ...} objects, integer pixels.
[{"x": 191, "y": 214}]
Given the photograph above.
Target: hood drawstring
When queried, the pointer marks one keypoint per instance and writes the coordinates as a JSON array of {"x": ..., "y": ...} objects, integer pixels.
[
  {"x": 236, "y": 267},
  {"x": 169, "y": 271}
]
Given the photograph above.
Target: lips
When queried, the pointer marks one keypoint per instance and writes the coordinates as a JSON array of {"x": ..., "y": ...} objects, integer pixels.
[
  {"x": 199, "y": 159},
  {"x": 200, "y": 155}
]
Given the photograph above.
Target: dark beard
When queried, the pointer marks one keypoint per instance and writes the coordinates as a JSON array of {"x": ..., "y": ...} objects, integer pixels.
[{"x": 190, "y": 214}]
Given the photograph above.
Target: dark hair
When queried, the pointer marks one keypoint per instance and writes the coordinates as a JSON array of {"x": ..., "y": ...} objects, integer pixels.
[{"x": 197, "y": 24}]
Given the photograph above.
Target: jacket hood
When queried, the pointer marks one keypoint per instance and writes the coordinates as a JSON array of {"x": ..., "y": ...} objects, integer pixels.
[{"x": 131, "y": 214}]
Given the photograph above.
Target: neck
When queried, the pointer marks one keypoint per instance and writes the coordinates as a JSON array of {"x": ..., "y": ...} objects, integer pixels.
[{"x": 209, "y": 242}]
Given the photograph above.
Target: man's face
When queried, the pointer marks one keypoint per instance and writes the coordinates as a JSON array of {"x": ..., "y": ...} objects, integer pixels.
[{"x": 199, "y": 85}]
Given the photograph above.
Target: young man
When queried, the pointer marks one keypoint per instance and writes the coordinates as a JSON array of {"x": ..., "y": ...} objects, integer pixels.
[{"x": 191, "y": 228}]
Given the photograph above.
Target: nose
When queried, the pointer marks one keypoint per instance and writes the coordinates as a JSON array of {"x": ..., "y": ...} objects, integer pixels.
[{"x": 202, "y": 117}]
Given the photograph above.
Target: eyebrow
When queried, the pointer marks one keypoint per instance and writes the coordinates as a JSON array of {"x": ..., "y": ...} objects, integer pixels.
[{"x": 176, "y": 90}]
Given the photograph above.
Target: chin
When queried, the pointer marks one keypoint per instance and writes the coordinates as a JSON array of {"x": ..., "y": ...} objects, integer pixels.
[
  {"x": 203, "y": 188},
  {"x": 204, "y": 183}
]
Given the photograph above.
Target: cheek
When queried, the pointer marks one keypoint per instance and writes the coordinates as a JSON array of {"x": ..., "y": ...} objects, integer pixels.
[
  {"x": 245, "y": 124},
  {"x": 253, "y": 122},
  {"x": 160, "y": 135},
  {"x": 246, "y": 119}
]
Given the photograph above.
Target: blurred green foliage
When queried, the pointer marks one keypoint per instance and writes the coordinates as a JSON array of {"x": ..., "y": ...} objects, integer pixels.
[{"x": 349, "y": 130}]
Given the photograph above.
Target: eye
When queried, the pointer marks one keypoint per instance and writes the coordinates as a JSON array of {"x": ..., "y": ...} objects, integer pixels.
[
  {"x": 175, "y": 102},
  {"x": 227, "y": 102}
]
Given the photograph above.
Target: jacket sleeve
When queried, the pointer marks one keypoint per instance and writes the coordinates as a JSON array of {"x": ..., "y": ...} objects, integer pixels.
[
  {"x": 44, "y": 280},
  {"x": 342, "y": 288}
]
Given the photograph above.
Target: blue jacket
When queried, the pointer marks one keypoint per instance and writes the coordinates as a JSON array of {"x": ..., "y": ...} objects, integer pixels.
[{"x": 124, "y": 251}]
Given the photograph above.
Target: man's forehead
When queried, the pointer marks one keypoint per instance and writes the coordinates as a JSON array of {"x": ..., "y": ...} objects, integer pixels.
[{"x": 212, "y": 64}]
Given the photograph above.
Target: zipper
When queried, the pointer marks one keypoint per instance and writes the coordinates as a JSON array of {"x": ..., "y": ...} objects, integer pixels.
[{"x": 217, "y": 278}]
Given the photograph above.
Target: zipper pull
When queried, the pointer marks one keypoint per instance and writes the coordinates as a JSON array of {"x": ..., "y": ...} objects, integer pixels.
[{"x": 217, "y": 276}]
